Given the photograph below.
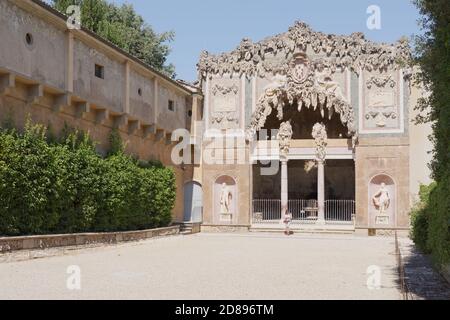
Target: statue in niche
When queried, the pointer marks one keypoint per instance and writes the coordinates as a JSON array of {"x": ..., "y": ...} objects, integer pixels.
[
  {"x": 325, "y": 81},
  {"x": 225, "y": 199},
  {"x": 381, "y": 199}
]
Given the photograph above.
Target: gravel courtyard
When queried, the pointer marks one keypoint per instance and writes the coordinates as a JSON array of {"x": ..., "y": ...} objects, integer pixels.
[{"x": 213, "y": 266}]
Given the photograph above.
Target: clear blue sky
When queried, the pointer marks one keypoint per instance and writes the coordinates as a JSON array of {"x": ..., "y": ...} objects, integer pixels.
[{"x": 219, "y": 25}]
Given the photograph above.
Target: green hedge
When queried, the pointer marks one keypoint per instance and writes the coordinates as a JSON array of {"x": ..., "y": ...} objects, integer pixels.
[
  {"x": 432, "y": 57},
  {"x": 65, "y": 186},
  {"x": 439, "y": 222},
  {"x": 420, "y": 218},
  {"x": 430, "y": 221}
]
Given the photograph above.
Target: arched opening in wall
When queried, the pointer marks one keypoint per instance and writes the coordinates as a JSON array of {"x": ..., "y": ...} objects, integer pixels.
[
  {"x": 303, "y": 121},
  {"x": 193, "y": 202},
  {"x": 382, "y": 201}
]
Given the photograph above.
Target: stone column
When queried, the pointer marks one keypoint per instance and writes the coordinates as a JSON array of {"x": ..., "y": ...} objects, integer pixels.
[
  {"x": 284, "y": 187},
  {"x": 321, "y": 192}
]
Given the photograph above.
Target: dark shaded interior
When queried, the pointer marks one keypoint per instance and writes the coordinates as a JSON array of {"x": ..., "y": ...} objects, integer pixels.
[{"x": 302, "y": 123}]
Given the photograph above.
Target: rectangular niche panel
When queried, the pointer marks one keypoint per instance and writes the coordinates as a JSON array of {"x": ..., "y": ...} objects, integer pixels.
[{"x": 381, "y": 102}]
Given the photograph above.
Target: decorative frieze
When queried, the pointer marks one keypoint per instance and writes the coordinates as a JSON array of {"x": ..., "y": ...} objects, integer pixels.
[
  {"x": 381, "y": 82},
  {"x": 311, "y": 86},
  {"x": 225, "y": 100},
  {"x": 353, "y": 52}
]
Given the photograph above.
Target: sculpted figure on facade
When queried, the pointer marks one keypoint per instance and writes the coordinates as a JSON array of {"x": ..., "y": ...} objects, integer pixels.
[
  {"x": 324, "y": 80},
  {"x": 225, "y": 199},
  {"x": 319, "y": 133},
  {"x": 381, "y": 199},
  {"x": 284, "y": 137}
]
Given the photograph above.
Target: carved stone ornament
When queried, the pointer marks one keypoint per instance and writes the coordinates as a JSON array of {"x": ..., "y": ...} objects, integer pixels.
[
  {"x": 353, "y": 52},
  {"x": 319, "y": 133},
  {"x": 225, "y": 90},
  {"x": 284, "y": 137},
  {"x": 318, "y": 90},
  {"x": 381, "y": 82},
  {"x": 381, "y": 199},
  {"x": 225, "y": 108}
]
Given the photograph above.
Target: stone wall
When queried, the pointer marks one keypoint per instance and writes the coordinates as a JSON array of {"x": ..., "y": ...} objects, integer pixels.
[
  {"x": 62, "y": 240},
  {"x": 388, "y": 157},
  {"x": 51, "y": 79}
]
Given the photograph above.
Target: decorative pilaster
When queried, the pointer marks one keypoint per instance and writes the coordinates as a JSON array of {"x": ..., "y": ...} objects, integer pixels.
[
  {"x": 319, "y": 134},
  {"x": 321, "y": 192},
  {"x": 284, "y": 137},
  {"x": 284, "y": 187}
]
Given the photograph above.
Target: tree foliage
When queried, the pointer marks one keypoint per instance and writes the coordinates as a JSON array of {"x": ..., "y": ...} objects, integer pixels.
[
  {"x": 432, "y": 56},
  {"x": 122, "y": 26}
]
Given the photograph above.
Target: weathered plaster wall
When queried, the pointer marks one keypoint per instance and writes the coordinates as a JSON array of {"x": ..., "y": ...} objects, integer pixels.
[
  {"x": 43, "y": 60},
  {"x": 142, "y": 106},
  {"x": 107, "y": 92},
  {"x": 420, "y": 148},
  {"x": 18, "y": 111},
  {"x": 171, "y": 120},
  {"x": 53, "y": 82}
]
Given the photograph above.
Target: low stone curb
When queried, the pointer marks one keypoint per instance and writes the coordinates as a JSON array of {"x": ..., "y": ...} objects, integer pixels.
[{"x": 11, "y": 244}]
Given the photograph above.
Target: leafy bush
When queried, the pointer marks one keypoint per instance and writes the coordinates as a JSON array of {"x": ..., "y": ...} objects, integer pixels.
[
  {"x": 420, "y": 217},
  {"x": 430, "y": 220},
  {"x": 65, "y": 186},
  {"x": 439, "y": 222}
]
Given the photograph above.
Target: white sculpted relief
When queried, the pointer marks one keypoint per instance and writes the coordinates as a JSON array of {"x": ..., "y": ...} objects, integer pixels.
[
  {"x": 381, "y": 199},
  {"x": 382, "y": 107},
  {"x": 284, "y": 137},
  {"x": 299, "y": 67},
  {"x": 325, "y": 81},
  {"x": 319, "y": 133},
  {"x": 311, "y": 85},
  {"x": 225, "y": 104},
  {"x": 353, "y": 52},
  {"x": 225, "y": 199}
]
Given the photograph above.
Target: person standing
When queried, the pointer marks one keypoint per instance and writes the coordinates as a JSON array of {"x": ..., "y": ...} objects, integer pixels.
[{"x": 287, "y": 222}]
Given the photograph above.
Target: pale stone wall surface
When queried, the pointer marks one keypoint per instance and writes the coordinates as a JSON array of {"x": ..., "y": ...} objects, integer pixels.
[
  {"x": 44, "y": 59},
  {"x": 52, "y": 82}
]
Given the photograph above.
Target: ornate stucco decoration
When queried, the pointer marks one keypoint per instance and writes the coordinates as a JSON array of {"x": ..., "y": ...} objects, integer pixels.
[
  {"x": 381, "y": 82},
  {"x": 319, "y": 133},
  {"x": 315, "y": 90},
  {"x": 284, "y": 137},
  {"x": 353, "y": 52},
  {"x": 224, "y": 90},
  {"x": 225, "y": 104}
]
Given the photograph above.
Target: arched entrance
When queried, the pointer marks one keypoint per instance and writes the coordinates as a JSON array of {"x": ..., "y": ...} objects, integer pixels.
[
  {"x": 308, "y": 104},
  {"x": 193, "y": 202}
]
